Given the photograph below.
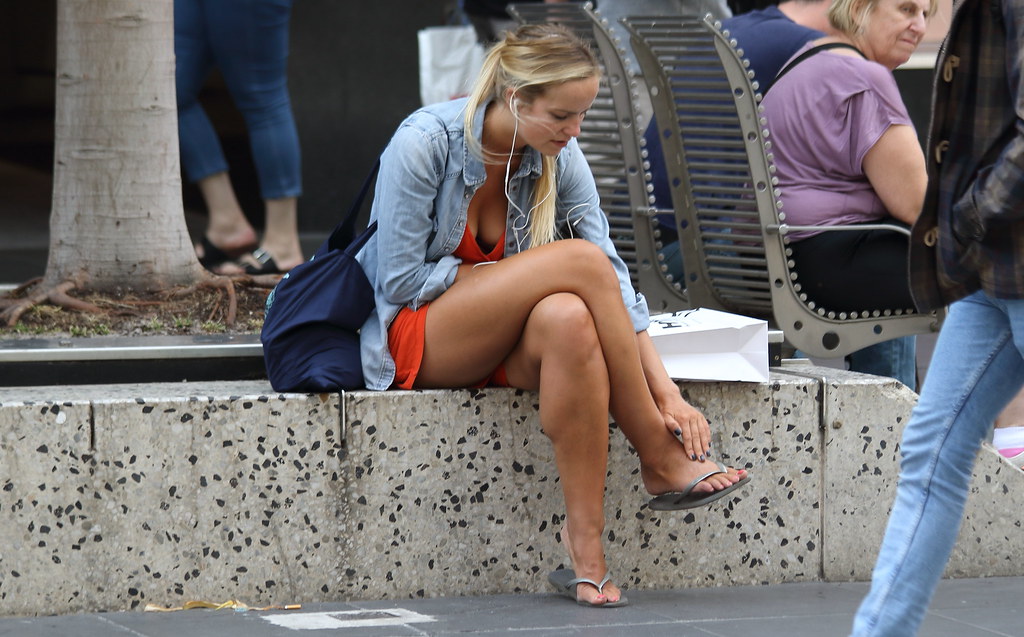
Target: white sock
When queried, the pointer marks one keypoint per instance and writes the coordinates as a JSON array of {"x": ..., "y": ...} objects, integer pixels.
[{"x": 1008, "y": 438}]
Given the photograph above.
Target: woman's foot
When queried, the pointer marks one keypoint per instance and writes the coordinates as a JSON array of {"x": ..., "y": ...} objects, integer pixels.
[
  {"x": 587, "y": 557},
  {"x": 228, "y": 233},
  {"x": 688, "y": 498},
  {"x": 565, "y": 582},
  {"x": 675, "y": 472},
  {"x": 215, "y": 249},
  {"x": 262, "y": 260}
]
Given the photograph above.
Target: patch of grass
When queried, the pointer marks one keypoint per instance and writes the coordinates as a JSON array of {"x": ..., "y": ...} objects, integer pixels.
[
  {"x": 213, "y": 327},
  {"x": 102, "y": 329},
  {"x": 22, "y": 328}
]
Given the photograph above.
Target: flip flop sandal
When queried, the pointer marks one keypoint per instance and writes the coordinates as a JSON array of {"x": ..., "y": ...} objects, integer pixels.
[
  {"x": 564, "y": 580},
  {"x": 267, "y": 265},
  {"x": 212, "y": 255},
  {"x": 686, "y": 499}
]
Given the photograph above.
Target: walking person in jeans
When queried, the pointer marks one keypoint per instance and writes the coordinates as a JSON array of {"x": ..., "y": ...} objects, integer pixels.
[
  {"x": 967, "y": 250},
  {"x": 247, "y": 40}
]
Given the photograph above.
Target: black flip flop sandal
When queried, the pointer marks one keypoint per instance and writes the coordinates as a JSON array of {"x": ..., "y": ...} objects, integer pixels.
[
  {"x": 267, "y": 265},
  {"x": 212, "y": 255}
]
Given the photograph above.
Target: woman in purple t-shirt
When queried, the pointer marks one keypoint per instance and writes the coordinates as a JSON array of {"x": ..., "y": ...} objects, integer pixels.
[{"x": 847, "y": 153}]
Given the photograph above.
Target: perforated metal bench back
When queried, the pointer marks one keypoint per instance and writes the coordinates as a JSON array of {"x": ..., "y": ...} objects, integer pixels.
[
  {"x": 714, "y": 194},
  {"x": 724, "y": 194}
]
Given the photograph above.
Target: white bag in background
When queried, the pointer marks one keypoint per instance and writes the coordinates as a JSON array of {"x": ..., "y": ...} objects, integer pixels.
[
  {"x": 705, "y": 344},
  {"x": 450, "y": 60}
]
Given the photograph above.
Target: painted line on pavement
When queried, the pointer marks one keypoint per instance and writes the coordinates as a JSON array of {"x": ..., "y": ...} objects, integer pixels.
[{"x": 347, "y": 619}]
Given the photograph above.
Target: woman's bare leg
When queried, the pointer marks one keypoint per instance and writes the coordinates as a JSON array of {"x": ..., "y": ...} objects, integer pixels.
[
  {"x": 517, "y": 312},
  {"x": 476, "y": 324},
  {"x": 281, "y": 233},
  {"x": 559, "y": 354}
]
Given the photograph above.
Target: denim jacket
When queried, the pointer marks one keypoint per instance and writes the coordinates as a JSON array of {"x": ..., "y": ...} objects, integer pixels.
[
  {"x": 428, "y": 175},
  {"x": 970, "y": 234}
]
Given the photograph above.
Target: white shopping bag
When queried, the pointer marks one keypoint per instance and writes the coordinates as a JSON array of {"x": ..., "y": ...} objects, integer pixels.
[
  {"x": 450, "y": 60},
  {"x": 705, "y": 344}
]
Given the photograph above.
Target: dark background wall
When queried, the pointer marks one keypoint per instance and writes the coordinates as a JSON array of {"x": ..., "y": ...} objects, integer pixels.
[{"x": 354, "y": 77}]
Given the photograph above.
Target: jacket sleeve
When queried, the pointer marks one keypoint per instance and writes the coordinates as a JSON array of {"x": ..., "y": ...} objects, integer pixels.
[
  {"x": 579, "y": 210},
  {"x": 411, "y": 170},
  {"x": 997, "y": 193}
]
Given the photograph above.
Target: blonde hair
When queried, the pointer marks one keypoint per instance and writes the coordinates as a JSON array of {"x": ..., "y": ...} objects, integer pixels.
[
  {"x": 529, "y": 61},
  {"x": 841, "y": 15}
]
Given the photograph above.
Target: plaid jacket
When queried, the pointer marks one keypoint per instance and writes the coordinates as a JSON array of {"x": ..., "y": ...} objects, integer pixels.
[{"x": 970, "y": 234}]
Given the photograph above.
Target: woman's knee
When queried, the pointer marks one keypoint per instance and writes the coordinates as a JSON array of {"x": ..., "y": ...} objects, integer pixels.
[
  {"x": 567, "y": 324},
  {"x": 586, "y": 260}
]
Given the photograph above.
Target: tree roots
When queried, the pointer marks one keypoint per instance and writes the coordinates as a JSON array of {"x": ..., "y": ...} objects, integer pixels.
[
  {"x": 33, "y": 293},
  {"x": 226, "y": 286},
  {"x": 37, "y": 294}
]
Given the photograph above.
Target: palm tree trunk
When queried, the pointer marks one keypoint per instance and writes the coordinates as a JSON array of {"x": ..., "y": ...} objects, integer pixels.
[{"x": 117, "y": 219}]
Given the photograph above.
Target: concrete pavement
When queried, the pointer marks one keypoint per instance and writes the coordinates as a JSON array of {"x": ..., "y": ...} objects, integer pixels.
[{"x": 961, "y": 608}]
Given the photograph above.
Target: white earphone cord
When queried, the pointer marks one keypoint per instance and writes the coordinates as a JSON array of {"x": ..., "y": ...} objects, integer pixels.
[{"x": 508, "y": 168}]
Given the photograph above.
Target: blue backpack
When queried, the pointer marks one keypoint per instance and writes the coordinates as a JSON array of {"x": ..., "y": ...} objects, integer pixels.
[{"x": 311, "y": 325}]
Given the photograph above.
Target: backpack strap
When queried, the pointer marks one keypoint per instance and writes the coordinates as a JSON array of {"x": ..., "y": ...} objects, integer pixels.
[
  {"x": 344, "y": 232},
  {"x": 808, "y": 53}
]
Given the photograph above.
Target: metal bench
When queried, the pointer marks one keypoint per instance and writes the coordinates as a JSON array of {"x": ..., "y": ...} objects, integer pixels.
[{"x": 725, "y": 198}]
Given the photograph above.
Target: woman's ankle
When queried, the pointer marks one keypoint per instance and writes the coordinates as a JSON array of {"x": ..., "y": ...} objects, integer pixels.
[{"x": 585, "y": 549}]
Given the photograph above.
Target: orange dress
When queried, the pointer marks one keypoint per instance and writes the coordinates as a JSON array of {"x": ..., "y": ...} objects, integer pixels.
[{"x": 406, "y": 334}]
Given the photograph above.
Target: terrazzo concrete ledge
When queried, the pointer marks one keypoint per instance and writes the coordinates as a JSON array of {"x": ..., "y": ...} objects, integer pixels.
[{"x": 112, "y": 497}]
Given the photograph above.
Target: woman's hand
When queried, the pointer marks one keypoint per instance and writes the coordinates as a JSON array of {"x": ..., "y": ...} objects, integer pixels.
[
  {"x": 682, "y": 420},
  {"x": 687, "y": 424}
]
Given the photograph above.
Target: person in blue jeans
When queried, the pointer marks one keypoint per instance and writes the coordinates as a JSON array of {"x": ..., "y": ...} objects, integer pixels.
[
  {"x": 247, "y": 40},
  {"x": 965, "y": 251}
]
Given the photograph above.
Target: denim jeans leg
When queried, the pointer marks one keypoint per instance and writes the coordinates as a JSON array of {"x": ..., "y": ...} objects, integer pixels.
[
  {"x": 201, "y": 152},
  {"x": 976, "y": 369},
  {"x": 250, "y": 43},
  {"x": 895, "y": 358}
]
